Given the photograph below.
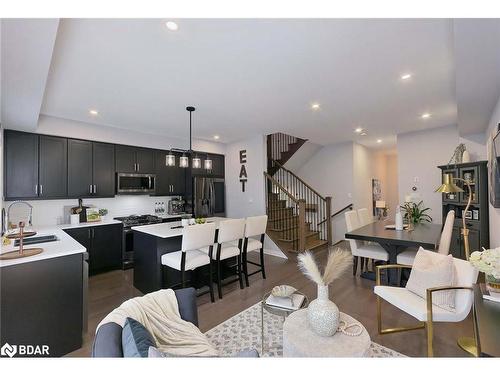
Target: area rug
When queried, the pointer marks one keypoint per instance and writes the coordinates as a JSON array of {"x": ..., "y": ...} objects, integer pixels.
[{"x": 243, "y": 331}]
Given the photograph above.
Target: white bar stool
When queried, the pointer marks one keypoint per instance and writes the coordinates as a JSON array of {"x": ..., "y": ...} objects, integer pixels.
[{"x": 190, "y": 257}]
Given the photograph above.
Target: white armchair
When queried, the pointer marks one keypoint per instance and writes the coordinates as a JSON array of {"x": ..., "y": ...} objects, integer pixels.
[{"x": 423, "y": 309}]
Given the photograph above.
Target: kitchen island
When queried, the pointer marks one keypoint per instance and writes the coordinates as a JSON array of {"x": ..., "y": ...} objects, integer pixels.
[
  {"x": 42, "y": 296},
  {"x": 150, "y": 243}
]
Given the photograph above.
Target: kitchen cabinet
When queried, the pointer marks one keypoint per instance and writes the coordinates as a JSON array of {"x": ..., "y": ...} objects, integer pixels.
[
  {"x": 169, "y": 180},
  {"x": 79, "y": 168},
  {"x": 53, "y": 167},
  {"x": 91, "y": 168},
  {"x": 20, "y": 165},
  {"x": 134, "y": 159},
  {"x": 103, "y": 244},
  {"x": 103, "y": 169}
]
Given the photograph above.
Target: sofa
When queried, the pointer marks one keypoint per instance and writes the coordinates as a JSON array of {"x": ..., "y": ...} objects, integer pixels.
[{"x": 108, "y": 339}]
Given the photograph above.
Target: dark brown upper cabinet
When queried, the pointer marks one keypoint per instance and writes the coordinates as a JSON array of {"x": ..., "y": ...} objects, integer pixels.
[
  {"x": 53, "y": 167},
  {"x": 21, "y": 165},
  {"x": 134, "y": 159},
  {"x": 169, "y": 180},
  {"x": 91, "y": 168},
  {"x": 217, "y": 166}
]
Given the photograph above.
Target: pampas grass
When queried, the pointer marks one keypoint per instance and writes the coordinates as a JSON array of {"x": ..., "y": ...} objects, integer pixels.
[
  {"x": 308, "y": 266},
  {"x": 338, "y": 262}
]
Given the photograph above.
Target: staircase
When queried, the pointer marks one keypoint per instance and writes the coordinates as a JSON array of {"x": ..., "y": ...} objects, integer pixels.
[{"x": 299, "y": 218}]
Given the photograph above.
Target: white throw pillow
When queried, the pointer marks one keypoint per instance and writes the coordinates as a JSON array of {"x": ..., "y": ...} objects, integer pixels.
[{"x": 430, "y": 270}]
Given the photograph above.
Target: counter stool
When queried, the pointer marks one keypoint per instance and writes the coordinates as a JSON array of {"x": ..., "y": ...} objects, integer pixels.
[
  {"x": 255, "y": 226},
  {"x": 229, "y": 244},
  {"x": 190, "y": 257}
]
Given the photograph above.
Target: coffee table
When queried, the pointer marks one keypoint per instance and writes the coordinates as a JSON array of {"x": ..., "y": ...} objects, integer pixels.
[
  {"x": 300, "y": 341},
  {"x": 275, "y": 311}
]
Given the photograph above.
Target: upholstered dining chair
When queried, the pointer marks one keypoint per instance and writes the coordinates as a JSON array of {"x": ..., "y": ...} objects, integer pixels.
[
  {"x": 190, "y": 257},
  {"x": 364, "y": 219},
  {"x": 229, "y": 245},
  {"x": 255, "y": 226},
  {"x": 408, "y": 256},
  {"x": 364, "y": 216},
  {"x": 359, "y": 248},
  {"x": 423, "y": 309}
]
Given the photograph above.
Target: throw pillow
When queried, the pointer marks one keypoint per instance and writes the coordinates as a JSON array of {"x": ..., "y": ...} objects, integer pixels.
[
  {"x": 430, "y": 270},
  {"x": 136, "y": 339}
]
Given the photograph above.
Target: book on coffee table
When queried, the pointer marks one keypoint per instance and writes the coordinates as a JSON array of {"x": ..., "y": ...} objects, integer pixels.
[
  {"x": 487, "y": 295},
  {"x": 288, "y": 303}
]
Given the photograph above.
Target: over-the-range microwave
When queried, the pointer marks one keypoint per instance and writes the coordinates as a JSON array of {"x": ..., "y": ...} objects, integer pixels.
[{"x": 135, "y": 183}]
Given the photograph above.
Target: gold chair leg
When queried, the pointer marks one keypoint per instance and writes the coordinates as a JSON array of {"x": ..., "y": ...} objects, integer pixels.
[
  {"x": 430, "y": 336},
  {"x": 395, "y": 329}
]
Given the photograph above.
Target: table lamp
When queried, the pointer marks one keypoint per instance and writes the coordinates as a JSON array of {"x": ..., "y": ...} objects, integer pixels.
[{"x": 448, "y": 186}]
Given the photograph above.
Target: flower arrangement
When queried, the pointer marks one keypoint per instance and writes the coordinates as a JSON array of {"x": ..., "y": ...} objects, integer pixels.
[
  {"x": 487, "y": 261},
  {"x": 337, "y": 263}
]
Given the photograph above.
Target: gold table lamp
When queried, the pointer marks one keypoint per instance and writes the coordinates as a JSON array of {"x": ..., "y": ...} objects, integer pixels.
[{"x": 448, "y": 186}]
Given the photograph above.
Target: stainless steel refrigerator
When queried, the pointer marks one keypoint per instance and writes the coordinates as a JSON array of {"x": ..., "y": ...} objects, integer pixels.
[{"x": 209, "y": 195}]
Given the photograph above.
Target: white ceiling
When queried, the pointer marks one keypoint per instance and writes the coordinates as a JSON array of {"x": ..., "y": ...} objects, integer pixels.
[{"x": 259, "y": 76}]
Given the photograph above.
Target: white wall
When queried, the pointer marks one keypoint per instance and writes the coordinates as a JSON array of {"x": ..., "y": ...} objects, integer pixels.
[
  {"x": 252, "y": 201},
  {"x": 419, "y": 154},
  {"x": 54, "y": 212},
  {"x": 390, "y": 188},
  {"x": 76, "y": 129},
  {"x": 330, "y": 172},
  {"x": 303, "y": 154},
  {"x": 364, "y": 165},
  {"x": 494, "y": 212}
]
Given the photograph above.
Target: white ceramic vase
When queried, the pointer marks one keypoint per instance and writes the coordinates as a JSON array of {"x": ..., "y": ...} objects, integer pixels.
[{"x": 323, "y": 314}]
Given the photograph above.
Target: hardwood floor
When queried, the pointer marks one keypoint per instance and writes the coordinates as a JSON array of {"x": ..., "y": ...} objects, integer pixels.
[{"x": 352, "y": 295}]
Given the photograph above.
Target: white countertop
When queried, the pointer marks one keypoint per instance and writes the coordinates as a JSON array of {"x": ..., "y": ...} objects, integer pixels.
[
  {"x": 65, "y": 245},
  {"x": 167, "y": 230}
]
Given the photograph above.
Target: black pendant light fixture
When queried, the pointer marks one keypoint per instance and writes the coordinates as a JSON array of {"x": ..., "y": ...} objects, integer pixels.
[{"x": 184, "y": 159}]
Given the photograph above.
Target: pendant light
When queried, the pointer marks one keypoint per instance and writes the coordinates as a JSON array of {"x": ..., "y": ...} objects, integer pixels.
[
  {"x": 184, "y": 159},
  {"x": 196, "y": 162},
  {"x": 170, "y": 159},
  {"x": 208, "y": 164}
]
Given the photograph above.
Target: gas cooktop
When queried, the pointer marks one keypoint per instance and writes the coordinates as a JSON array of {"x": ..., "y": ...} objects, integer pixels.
[{"x": 136, "y": 220}]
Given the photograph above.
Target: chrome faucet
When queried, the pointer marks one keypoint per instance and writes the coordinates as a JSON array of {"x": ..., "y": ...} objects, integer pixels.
[{"x": 30, "y": 219}]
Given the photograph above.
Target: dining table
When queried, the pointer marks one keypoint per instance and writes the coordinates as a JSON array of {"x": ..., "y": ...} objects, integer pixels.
[{"x": 394, "y": 241}]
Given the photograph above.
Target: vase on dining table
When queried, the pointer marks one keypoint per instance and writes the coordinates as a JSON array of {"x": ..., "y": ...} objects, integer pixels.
[{"x": 322, "y": 314}]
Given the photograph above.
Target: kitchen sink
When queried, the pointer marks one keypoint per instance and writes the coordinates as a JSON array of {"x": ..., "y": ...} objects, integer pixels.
[{"x": 35, "y": 240}]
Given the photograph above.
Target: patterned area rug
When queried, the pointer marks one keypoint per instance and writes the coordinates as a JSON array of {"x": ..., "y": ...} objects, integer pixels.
[{"x": 243, "y": 331}]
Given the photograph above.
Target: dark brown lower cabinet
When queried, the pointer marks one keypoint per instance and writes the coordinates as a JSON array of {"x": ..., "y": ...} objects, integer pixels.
[{"x": 103, "y": 244}]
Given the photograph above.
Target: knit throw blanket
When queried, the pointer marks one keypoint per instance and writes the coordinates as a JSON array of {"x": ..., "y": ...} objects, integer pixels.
[{"x": 159, "y": 313}]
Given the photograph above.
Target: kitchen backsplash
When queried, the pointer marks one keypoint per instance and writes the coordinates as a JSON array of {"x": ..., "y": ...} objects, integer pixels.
[{"x": 55, "y": 212}]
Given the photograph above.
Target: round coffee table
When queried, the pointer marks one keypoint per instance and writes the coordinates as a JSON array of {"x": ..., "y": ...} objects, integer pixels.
[{"x": 300, "y": 341}]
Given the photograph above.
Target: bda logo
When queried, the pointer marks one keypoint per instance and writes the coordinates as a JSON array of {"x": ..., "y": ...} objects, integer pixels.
[{"x": 9, "y": 350}]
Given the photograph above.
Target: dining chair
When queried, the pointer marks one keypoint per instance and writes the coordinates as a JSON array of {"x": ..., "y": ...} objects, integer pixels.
[
  {"x": 364, "y": 219},
  {"x": 229, "y": 245},
  {"x": 422, "y": 308},
  {"x": 255, "y": 226},
  {"x": 359, "y": 248},
  {"x": 408, "y": 256},
  {"x": 191, "y": 257}
]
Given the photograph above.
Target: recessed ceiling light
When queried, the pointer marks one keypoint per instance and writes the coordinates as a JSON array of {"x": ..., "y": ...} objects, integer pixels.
[
  {"x": 406, "y": 76},
  {"x": 315, "y": 106},
  {"x": 358, "y": 130},
  {"x": 216, "y": 137},
  {"x": 379, "y": 141},
  {"x": 363, "y": 133},
  {"x": 93, "y": 112},
  {"x": 426, "y": 115},
  {"x": 171, "y": 25}
]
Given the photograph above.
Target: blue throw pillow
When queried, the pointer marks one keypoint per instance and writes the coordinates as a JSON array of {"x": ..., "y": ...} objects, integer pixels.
[{"x": 136, "y": 339}]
